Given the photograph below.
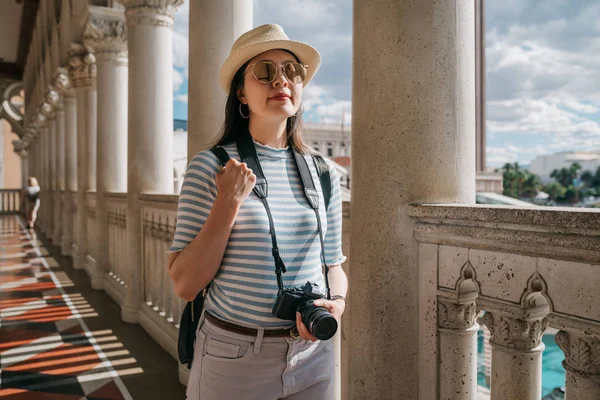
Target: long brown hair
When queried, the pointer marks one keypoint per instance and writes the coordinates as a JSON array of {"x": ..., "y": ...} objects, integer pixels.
[{"x": 235, "y": 125}]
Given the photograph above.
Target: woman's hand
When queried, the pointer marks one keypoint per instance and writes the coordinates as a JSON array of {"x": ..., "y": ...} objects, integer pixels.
[
  {"x": 235, "y": 181},
  {"x": 335, "y": 307}
]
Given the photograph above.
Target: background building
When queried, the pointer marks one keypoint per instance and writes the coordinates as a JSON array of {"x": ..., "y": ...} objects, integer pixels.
[{"x": 543, "y": 166}]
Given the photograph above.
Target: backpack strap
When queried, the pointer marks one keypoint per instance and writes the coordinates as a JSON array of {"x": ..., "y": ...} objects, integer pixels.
[
  {"x": 221, "y": 154},
  {"x": 324, "y": 177}
]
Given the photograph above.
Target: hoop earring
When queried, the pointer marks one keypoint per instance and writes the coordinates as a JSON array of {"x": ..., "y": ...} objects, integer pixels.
[
  {"x": 242, "y": 114},
  {"x": 299, "y": 112}
]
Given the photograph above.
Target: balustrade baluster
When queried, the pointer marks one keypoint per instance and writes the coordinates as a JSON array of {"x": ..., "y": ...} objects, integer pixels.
[{"x": 582, "y": 364}]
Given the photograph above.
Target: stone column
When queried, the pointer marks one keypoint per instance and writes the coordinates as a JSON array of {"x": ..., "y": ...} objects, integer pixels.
[
  {"x": 70, "y": 171},
  {"x": 52, "y": 214},
  {"x": 82, "y": 69},
  {"x": 219, "y": 24},
  {"x": 516, "y": 340},
  {"x": 20, "y": 148},
  {"x": 582, "y": 364},
  {"x": 105, "y": 33},
  {"x": 60, "y": 174},
  {"x": 46, "y": 194},
  {"x": 458, "y": 339},
  {"x": 429, "y": 123},
  {"x": 24, "y": 167},
  {"x": 150, "y": 142},
  {"x": 66, "y": 167},
  {"x": 53, "y": 100}
]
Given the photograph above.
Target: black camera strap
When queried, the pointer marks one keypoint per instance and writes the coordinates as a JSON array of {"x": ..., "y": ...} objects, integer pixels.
[{"x": 247, "y": 151}]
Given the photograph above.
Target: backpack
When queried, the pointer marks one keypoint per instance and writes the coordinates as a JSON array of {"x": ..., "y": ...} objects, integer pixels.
[{"x": 193, "y": 309}]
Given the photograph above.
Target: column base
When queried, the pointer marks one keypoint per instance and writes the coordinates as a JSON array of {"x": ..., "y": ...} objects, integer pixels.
[
  {"x": 130, "y": 314},
  {"x": 56, "y": 238},
  {"x": 98, "y": 280},
  {"x": 78, "y": 258},
  {"x": 65, "y": 246}
]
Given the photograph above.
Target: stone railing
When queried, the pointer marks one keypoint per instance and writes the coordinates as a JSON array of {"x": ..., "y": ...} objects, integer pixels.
[
  {"x": 518, "y": 271},
  {"x": 90, "y": 210},
  {"x": 162, "y": 308},
  {"x": 116, "y": 204},
  {"x": 10, "y": 201}
]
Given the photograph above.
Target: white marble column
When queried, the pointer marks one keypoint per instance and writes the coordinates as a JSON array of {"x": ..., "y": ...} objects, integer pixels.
[
  {"x": 458, "y": 339},
  {"x": 24, "y": 166},
  {"x": 429, "y": 124},
  {"x": 582, "y": 364},
  {"x": 214, "y": 26},
  {"x": 150, "y": 142},
  {"x": 52, "y": 98},
  {"x": 66, "y": 169},
  {"x": 70, "y": 172},
  {"x": 45, "y": 192},
  {"x": 20, "y": 148},
  {"x": 60, "y": 174},
  {"x": 106, "y": 34},
  {"x": 82, "y": 69},
  {"x": 516, "y": 355},
  {"x": 52, "y": 214}
]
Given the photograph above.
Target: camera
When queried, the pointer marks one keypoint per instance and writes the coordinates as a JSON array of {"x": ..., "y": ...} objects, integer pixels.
[{"x": 318, "y": 320}]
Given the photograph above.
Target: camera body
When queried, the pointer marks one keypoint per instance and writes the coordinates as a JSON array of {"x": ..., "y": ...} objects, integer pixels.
[{"x": 318, "y": 320}]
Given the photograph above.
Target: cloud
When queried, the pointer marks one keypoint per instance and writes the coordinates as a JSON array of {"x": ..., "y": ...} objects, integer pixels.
[
  {"x": 181, "y": 49},
  {"x": 177, "y": 80},
  {"x": 326, "y": 25},
  {"x": 542, "y": 76},
  {"x": 321, "y": 106},
  {"x": 182, "y": 98}
]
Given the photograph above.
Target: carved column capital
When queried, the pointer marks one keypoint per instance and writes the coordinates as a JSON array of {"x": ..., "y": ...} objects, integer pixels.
[
  {"x": 106, "y": 33},
  {"x": 151, "y": 12},
  {"x": 19, "y": 147},
  {"x": 515, "y": 332},
  {"x": 82, "y": 66},
  {"x": 62, "y": 82},
  {"x": 53, "y": 100},
  {"x": 582, "y": 353},
  {"x": 452, "y": 315},
  {"x": 45, "y": 114}
]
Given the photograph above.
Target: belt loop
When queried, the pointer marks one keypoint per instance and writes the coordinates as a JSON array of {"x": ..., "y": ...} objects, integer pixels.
[
  {"x": 201, "y": 320},
  {"x": 259, "y": 340}
]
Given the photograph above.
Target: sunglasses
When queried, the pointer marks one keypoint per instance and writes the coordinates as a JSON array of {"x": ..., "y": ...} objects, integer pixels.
[{"x": 266, "y": 71}]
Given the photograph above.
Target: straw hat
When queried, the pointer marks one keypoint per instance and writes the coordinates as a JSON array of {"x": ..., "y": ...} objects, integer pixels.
[{"x": 261, "y": 39}]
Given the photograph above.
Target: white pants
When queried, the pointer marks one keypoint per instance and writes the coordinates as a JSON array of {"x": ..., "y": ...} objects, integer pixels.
[{"x": 230, "y": 366}]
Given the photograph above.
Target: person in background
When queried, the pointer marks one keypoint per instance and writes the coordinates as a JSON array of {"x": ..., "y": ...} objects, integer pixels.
[{"x": 31, "y": 197}]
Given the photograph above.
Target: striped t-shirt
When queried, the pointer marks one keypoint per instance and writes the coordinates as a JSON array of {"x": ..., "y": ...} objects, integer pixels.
[{"x": 245, "y": 287}]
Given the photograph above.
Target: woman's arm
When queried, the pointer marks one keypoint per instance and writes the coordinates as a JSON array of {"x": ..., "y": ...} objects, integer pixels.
[
  {"x": 195, "y": 266},
  {"x": 209, "y": 202},
  {"x": 338, "y": 282}
]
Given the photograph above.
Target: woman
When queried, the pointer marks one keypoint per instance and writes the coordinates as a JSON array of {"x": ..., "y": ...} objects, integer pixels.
[
  {"x": 31, "y": 197},
  {"x": 242, "y": 351}
]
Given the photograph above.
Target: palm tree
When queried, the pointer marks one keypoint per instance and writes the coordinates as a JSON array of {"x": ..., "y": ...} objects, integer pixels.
[
  {"x": 574, "y": 170},
  {"x": 508, "y": 179},
  {"x": 587, "y": 177},
  {"x": 555, "y": 190},
  {"x": 531, "y": 185}
]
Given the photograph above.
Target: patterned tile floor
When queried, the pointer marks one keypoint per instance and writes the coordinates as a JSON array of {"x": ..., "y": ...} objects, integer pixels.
[{"x": 48, "y": 350}]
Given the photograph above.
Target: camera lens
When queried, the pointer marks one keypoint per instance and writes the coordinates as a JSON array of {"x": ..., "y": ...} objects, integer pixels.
[{"x": 319, "y": 321}]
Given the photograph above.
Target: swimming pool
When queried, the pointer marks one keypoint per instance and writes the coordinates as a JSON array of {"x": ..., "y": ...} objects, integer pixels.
[{"x": 553, "y": 374}]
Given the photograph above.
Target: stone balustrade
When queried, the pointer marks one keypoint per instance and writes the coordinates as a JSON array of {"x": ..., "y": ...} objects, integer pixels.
[
  {"x": 116, "y": 205},
  {"x": 90, "y": 257},
  {"x": 10, "y": 201},
  {"x": 520, "y": 271}
]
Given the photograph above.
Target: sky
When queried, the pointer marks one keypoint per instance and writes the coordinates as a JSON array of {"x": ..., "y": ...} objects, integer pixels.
[{"x": 542, "y": 70}]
